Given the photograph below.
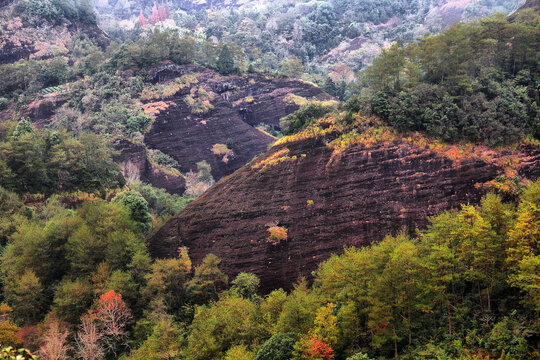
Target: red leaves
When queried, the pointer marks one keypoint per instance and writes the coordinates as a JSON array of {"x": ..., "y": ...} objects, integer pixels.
[
  {"x": 104, "y": 328},
  {"x": 321, "y": 350},
  {"x": 113, "y": 314}
]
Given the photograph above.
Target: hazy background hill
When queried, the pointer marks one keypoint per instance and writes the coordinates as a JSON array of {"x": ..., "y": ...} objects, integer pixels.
[{"x": 331, "y": 37}]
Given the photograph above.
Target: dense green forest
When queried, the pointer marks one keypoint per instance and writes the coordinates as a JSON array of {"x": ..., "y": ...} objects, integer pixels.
[
  {"x": 464, "y": 288},
  {"x": 77, "y": 281},
  {"x": 476, "y": 82}
]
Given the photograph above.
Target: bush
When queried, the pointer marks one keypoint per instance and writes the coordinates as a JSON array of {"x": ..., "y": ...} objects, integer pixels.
[
  {"x": 297, "y": 121},
  {"x": 137, "y": 206},
  {"x": 278, "y": 347}
]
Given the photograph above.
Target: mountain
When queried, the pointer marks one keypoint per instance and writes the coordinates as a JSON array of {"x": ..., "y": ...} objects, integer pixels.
[
  {"x": 409, "y": 147},
  {"x": 20, "y": 38},
  {"x": 327, "y": 189}
]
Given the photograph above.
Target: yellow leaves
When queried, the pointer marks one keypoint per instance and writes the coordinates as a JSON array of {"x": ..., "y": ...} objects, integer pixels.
[
  {"x": 295, "y": 99},
  {"x": 153, "y": 109},
  {"x": 277, "y": 234},
  {"x": 221, "y": 149},
  {"x": 276, "y": 158},
  {"x": 199, "y": 100},
  {"x": 302, "y": 101},
  {"x": 246, "y": 100},
  {"x": 170, "y": 89},
  {"x": 370, "y": 137}
]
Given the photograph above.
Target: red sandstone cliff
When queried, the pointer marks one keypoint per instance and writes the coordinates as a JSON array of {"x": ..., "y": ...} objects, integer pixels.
[{"x": 329, "y": 190}]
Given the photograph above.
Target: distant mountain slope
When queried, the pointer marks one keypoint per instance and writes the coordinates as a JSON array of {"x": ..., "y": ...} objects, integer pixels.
[
  {"x": 40, "y": 39},
  {"x": 198, "y": 121},
  {"x": 323, "y": 189}
]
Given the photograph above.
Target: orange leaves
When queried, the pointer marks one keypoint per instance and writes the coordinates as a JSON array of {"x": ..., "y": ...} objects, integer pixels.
[
  {"x": 104, "y": 328},
  {"x": 277, "y": 234},
  {"x": 155, "y": 108},
  {"x": 313, "y": 348},
  {"x": 113, "y": 313},
  {"x": 321, "y": 349}
]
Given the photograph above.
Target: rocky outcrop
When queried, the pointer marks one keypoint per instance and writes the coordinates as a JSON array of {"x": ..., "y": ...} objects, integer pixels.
[
  {"x": 42, "y": 110},
  {"x": 530, "y": 4},
  {"x": 207, "y": 111},
  {"x": 135, "y": 165},
  {"x": 326, "y": 198}
]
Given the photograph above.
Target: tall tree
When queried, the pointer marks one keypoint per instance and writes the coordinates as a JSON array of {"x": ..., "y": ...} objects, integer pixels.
[{"x": 225, "y": 63}]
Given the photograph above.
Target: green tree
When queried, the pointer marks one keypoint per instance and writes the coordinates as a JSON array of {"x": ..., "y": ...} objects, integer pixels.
[
  {"x": 279, "y": 347},
  {"x": 225, "y": 63},
  {"x": 26, "y": 297},
  {"x": 246, "y": 285},
  {"x": 207, "y": 280},
  {"x": 137, "y": 206},
  {"x": 219, "y": 326}
]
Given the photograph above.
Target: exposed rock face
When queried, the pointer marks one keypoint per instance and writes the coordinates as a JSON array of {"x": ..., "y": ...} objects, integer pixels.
[
  {"x": 44, "y": 108},
  {"x": 189, "y": 133},
  {"x": 135, "y": 165},
  {"x": 325, "y": 200}
]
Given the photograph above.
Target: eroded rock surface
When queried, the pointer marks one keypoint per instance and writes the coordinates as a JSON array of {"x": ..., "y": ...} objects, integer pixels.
[
  {"x": 226, "y": 110},
  {"x": 326, "y": 201}
]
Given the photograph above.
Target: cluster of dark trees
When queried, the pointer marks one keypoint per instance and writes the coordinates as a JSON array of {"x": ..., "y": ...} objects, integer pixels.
[
  {"x": 476, "y": 82},
  {"x": 47, "y": 162}
]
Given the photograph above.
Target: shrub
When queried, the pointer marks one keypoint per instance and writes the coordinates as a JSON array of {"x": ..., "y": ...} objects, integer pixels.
[
  {"x": 278, "y": 347},
  {"x": 277, "y": 234},
  {"x": 297, "y": 121}
]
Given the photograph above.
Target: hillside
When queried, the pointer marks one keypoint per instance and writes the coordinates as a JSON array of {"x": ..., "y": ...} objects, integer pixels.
[
  {"x": 20, "y": 38},
  {"x": 327, "y": 189},
  {"x": 365, "y": 170},
  {"x": 195, "y": 113}
]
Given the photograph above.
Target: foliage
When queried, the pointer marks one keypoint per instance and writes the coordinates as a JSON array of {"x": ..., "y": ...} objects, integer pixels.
[
  {"x": 277, "y": 234},
  {"x": 10, "y": 353},
  {"x": 246, "y": 285},
  {"x": 197, "y": 183},
  {"x": 137, "y": 206},
  {"x": 473, "y": 82},
  {"x": 43, "y": 162},
  {"x": 208, "y": 280},
  {"x": 219, "y": 326},
  {"x": 297, "y": 121},
  {"x": 225, "y": 63},
  {"x": 278, "y": 347}
]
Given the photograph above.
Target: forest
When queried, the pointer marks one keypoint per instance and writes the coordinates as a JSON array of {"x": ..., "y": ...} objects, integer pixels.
[{"x": 78, "y": 282}]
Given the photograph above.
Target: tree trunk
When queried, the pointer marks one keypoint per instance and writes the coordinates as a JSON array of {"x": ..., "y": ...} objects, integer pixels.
[
  {"x": 449, "y": 319},
  {"x": 395, "y": 341},
  {"x": 409, "y": 323},
  {"x": 488, "y": 299}
]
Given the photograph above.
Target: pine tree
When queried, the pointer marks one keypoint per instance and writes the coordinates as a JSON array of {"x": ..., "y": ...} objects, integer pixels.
[{"x": 225, "y": 63}]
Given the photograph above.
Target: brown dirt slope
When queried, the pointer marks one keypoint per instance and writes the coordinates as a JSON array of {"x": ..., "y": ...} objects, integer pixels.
[{"x": 325, "y": 189}]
